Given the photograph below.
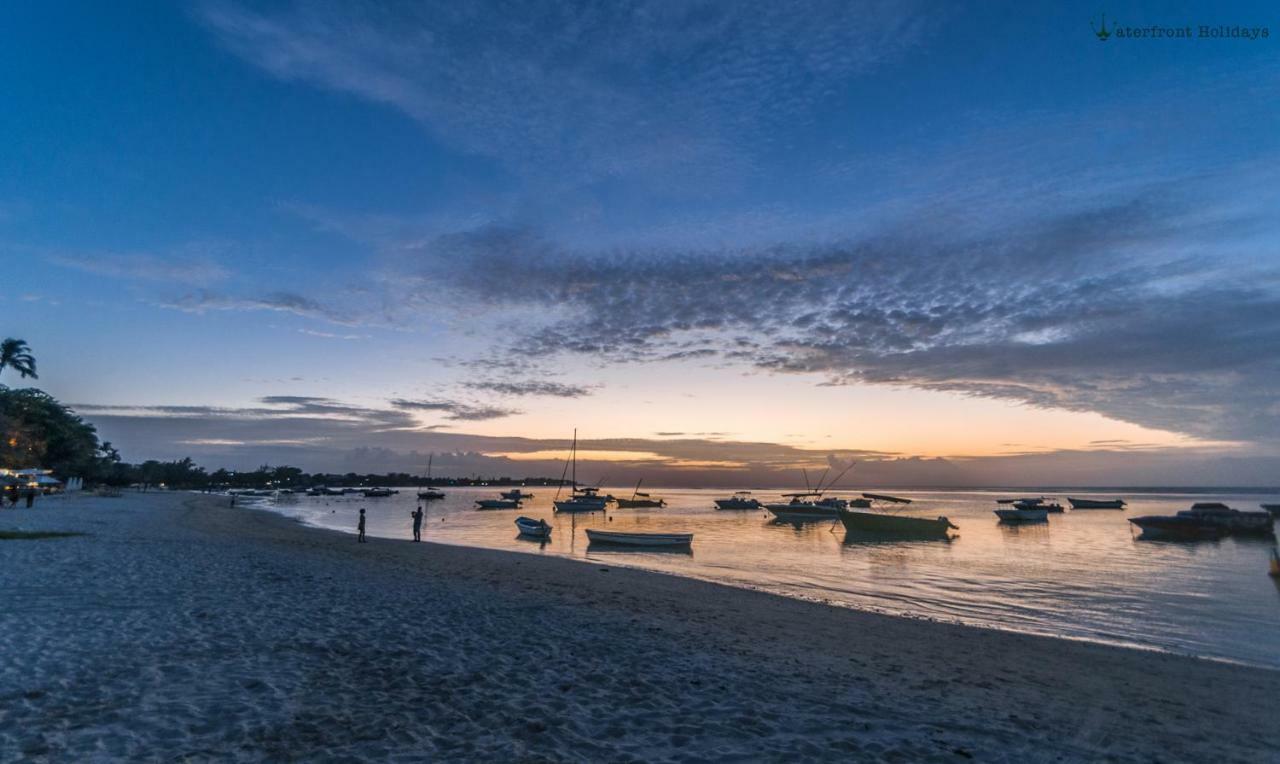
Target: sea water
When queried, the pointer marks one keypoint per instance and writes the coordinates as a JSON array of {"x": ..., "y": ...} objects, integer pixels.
[{"x": 1082, "y": 575}]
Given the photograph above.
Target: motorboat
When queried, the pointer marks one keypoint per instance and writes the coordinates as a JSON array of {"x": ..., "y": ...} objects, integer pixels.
[
  {"x": 803, "y": 507},
  {"x": 378, "y": 493},
  {"x": 739, "y": 500},
  {"x": 1022, "y": 515},
  {"x": 516, "y": 494},
  {"x": 1096, "y": 503},
  {"x": 1274, "y": 509},
  {"x": 497, "y": 503},
  {"x": 639, "y": 500},
  {"x": 527, "y": 526},
  {"x": 1034, "y": 502},
  {"x": 429, "y": 493},
  {"x": 1209, "y": 519},
  {"x": 622, "y": 538}
]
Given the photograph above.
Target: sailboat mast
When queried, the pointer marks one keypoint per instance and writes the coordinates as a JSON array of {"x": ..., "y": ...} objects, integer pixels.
[{"x": 574, "y": 451}]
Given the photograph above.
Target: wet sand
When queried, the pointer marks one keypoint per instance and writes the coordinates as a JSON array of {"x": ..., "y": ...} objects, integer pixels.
[{"x": 180, "y": 628}]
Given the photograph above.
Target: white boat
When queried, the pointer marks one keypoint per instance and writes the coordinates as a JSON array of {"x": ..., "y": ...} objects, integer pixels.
[
  {"x": 639, "y": 539},
  {"x": 739, "y": 500},
  {"x": 1023, "y": 515},
  {"x": 497, "y": 504},
  {"x": 582, "y": 499},
  {"x": 527, "y": 526}
]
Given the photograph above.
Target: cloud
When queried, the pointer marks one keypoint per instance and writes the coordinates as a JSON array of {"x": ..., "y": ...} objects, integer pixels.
[
  {"x": 283, "y": 302},
  {"x": 595, "y": 90},
  {"x": 1106, "y": 307},
  {"x": 454, "y": 410},
  {"x": 177, "y": 270},
  {"x": 532, "y": 387}
]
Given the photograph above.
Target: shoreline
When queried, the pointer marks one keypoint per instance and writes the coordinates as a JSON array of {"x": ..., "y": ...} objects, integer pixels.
[{"x": 462, "y": 652}]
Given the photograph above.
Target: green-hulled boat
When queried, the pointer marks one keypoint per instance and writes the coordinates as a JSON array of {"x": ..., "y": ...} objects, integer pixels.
[{"x": 888, "y": 524}]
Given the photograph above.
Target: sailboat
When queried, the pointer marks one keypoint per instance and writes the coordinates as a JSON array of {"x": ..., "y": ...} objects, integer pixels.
[
  {"x": 638, "y": 499},
  {"x": 430, "y": 493},
  {"x": 582, "y": 499}
]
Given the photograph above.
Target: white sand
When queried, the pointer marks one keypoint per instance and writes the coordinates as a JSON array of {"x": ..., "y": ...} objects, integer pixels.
[{"x": 183, "y": 630}]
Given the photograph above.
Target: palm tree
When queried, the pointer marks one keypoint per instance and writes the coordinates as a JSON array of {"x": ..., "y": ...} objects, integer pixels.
[{"x": 14, "y": 354}]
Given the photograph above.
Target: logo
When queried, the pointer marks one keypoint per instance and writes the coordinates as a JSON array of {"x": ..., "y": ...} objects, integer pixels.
[{"x": 1101, "y": 31}]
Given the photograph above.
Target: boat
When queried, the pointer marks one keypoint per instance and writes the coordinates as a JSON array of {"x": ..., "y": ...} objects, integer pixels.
[
  {"x": 803, "y": 507},
  {"x": 639, "y": 500},
  {"x": 857, "y": 521},
  {"x": 429, "y": 493},
  {"x": 639, "y": 539},
  {"x": 1024, "y": 515},
  {"x": 527, "y": 526},
  {"x": 497, "y": 503},
  {"x": 377, "y": 493},
  {"x": 1274, "y": 509},
  {"x": 1209, "y": 519},
  {"x": 739, "y": 500},
  {"x": 516, "y": 494},
  {"x": 582, "y": 499},
  {"x": 1096, "y": 503}
]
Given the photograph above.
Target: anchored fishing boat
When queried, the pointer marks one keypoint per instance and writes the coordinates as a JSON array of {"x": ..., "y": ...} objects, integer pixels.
[
  {"x": 497, "y": 503},
  {"x": 1206, "y": 520},
  {"x": 811, "y": 505},
  {"x": 639, "y": 500},
  {"x": 1022, "y": 515},
  {"x": 1034, "y": 502},
  {"x": 877, "y": 518},
  {"x": 539, "y": 529},
  {"x": 378, "y": 493},
  {"x": 621, "y": 538},
  {"x": 1096, "y": 503},
  {"x": 739, "y": 500},
  {"x": 429, "y": 493},
  {"x": 1274, "y": 509},
  {"x": 516, "y": 494}
]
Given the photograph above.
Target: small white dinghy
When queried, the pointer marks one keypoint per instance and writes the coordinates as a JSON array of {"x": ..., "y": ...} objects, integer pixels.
[
  {"x": 539, "y": 529},
  {"x": 639, "y": 539}
]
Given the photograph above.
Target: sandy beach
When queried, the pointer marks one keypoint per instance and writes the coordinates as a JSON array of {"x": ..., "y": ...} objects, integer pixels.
[{"x": 181, "y": 629}]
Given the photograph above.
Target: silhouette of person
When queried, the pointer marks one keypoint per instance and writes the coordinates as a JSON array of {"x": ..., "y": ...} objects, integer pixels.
[
  {"x": 360, "y": 527},
  {"x": 417, "y": 523},
  {"x": 31, "y": 497}
]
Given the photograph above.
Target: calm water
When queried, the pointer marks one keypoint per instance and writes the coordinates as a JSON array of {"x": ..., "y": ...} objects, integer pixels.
[{"x": 1083, "y": 575}]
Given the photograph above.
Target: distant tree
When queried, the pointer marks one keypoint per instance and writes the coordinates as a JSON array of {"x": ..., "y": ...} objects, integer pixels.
[
  {"x": 14, "y": 354},
  {"x": 38, "y": 431}
]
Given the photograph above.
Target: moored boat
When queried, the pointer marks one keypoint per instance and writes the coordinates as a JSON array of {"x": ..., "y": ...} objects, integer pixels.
[
  {"x": 1022, "y": 515},
  {"x": 639, "y": 500},
  {"x": 739, "y": 500},
  {"x": 533, "y": 528},
  {"x": 378, "y": 493},
  {"x": 582, "y": 499},
  {"x": 622, "y": 538},
  {"x": 1033, "y": 502},
  {"x": 516, "y": 494},
  {"x": 497, "y": 504},
  {"x": 1274, "y": 509},
  {"x": 429, "y": 493},
  {"x": 1096, "y": 503},
  {"x": 1208, "y": 519},
  {"x": 879, "y": 522}
]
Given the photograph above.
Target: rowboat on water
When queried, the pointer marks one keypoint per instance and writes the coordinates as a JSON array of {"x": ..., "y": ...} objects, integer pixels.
[
  {"x": 622, "y": 538},
  {"x": 879, "y": 521},
  {"x": 1096, "y": 503},
  {"x": 539, "y": 529}
]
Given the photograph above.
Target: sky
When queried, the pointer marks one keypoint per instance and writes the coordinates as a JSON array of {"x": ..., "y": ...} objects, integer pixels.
[{"x": 959, "y": 244}]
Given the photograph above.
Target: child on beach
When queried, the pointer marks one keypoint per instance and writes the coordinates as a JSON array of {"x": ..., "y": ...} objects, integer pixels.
[
  {"x": 360, "y": 527},
  {"x": 417, "y": 523}
]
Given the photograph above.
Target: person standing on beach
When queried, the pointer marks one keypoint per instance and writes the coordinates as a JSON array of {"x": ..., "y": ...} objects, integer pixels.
[
  {"x": 417, "y": 523},
  {"x": 360, "y": 527}
]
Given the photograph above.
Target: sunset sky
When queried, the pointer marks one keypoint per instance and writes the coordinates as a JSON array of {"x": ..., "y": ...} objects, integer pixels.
[{"x": 723, "y": 240}]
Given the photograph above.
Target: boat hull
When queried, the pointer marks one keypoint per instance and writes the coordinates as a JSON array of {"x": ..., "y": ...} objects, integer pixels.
[
  {"x": 880, "y": 522},
  {"x": 802, "y": 513},
  {"x": 537, "y": 529},
  {"x": 617, "y": 538},
  {"x": 738, "y": 504},
  {"x": 497, "y": 504},
  {"x": 430, "y": 495},
  {"x": 1176, "y": 528},
  {"x": 572, "y": 505},
  {"x": 1096, "y": 503},
  {"x": 1023, "y": 515},
  {"x": 640, "y": 503}
]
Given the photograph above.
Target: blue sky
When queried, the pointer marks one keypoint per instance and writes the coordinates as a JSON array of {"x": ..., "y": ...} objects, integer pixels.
[{"x": 870, "y": 225}]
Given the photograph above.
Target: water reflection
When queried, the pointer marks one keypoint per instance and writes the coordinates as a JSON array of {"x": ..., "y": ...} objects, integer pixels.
[{"x": 1082, "y": 574}]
